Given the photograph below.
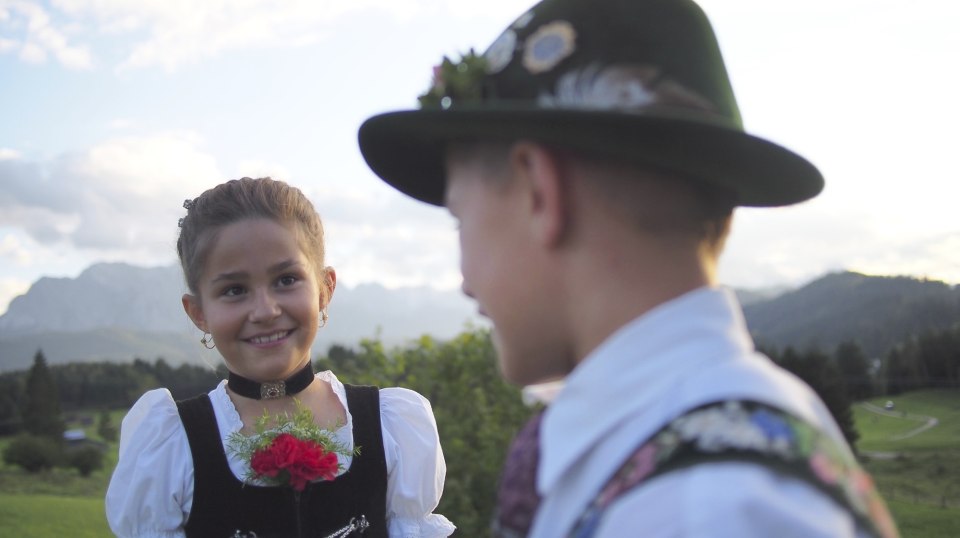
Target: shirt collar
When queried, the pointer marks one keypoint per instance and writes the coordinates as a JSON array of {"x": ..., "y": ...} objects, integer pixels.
[{"x": 636, "y": 367}]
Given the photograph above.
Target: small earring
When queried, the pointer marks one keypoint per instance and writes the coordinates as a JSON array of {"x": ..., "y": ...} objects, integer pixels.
[
  {"x": 323, "y": 318},
  {"x": 208, "y": 341}
]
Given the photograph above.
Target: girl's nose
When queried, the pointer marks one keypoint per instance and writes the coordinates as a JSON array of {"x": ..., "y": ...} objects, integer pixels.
[{"x": 265, "y": 307}]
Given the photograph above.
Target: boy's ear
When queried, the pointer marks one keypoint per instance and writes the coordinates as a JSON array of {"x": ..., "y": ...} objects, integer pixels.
[
  {"x": 191, "y": 305},
  {"x": 540, "y": 172}
]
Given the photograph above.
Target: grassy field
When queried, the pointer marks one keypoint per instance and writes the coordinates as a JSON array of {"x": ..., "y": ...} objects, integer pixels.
[
  {"x": 57, "y": 502},
  {"x": 919, "y": 476},
  {"x": 52, "y": 516}
]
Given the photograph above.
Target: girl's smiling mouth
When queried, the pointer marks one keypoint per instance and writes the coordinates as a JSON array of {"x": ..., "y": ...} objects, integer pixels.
[{"x": 269, "y": 339}]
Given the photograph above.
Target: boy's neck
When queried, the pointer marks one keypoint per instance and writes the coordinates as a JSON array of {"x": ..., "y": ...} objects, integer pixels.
[{"x": 611, "y": 287}]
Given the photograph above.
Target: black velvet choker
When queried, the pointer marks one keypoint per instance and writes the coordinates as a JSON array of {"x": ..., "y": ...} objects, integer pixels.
[{"x": 271, "y": 391}]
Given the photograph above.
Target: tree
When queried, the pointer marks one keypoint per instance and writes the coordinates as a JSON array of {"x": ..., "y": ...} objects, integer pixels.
[
  {"x": 11, "y": 394},
  {"x": 477, "y": 415},
  {"x": 855, "y": 369},
  {"x": 939, "y": 352},
  {"x": 903, "y": 372},
  {"x": 817, "y": 370},
  {"x": 105, "y": 428},
  {"x": 41, "y": 409},
  {"x": 477, "y": 412}
]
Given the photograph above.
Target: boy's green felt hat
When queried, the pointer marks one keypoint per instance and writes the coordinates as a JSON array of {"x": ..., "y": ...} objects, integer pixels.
[{"x": 635, "y": 80}]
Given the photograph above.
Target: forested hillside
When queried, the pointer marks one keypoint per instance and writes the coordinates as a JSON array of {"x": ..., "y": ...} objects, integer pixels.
[{"x": 876, "y": 313}]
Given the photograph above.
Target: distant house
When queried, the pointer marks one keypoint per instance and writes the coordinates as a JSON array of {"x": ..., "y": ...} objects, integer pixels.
[
  {"x": 78, "y": 438},
  {"x": 75, "y": 437}
]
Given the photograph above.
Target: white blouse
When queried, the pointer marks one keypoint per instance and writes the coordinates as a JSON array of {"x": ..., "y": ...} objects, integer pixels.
[{"x": 151, "y": 491}]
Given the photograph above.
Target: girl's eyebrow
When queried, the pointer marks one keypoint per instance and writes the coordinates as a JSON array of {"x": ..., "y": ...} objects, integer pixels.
[
  {"x": 240, "y": 275},
  {"x": 283, "y": 266},
  {"x": 231, "y": 276}
]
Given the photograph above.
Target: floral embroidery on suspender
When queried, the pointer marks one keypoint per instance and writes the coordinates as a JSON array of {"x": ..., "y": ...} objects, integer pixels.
[{"x": 752, "y": 432}]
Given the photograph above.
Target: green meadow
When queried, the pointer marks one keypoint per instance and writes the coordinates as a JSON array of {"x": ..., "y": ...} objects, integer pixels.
[
  {"x": 918, "y": 475},
  {"x": 52, "y": 516},
  {"x": 57, "y": 502}
]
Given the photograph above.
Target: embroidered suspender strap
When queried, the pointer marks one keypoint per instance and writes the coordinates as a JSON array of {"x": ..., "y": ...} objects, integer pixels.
[{"x": 733, "y": 431}]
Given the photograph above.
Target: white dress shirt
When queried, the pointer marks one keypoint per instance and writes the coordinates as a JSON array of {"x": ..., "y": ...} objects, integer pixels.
[
  {"x": 690, "y": 351},
  {"x": 151, "y": 491}
]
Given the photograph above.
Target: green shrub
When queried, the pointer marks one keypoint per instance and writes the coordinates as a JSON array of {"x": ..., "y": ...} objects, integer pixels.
[
  {"x": 32, "y": 453},
  {"x": 85, "y": 459},
  {"x": 105, "y": 428}
]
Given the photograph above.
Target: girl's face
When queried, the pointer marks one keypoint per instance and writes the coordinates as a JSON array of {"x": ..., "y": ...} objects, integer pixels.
[{"x": 260, "y": 299}]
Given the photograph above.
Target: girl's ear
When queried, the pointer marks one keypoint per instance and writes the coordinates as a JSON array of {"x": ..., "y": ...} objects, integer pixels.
[
  {"x": 191, "y": 305},
  {"x": 330, "y": 283}
]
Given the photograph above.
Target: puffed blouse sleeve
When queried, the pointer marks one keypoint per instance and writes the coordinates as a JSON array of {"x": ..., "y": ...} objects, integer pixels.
[
  {"x": 415, "y": 466},
  {"x": 152, "y": 485}
]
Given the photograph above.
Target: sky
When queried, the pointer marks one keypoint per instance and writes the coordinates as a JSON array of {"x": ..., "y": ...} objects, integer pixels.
[{"x": 112, "y": 112}]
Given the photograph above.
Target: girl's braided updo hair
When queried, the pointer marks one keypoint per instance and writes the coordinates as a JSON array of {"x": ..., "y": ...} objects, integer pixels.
[{"x": 246, "y": 198}]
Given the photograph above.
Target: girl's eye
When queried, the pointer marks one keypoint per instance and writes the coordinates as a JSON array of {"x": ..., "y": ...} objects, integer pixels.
[
  {"x": 232, "y": 291},
  {"x": 287, "y": 280}
]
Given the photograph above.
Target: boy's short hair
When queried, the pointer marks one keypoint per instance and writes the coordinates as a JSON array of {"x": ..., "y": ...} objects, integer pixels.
[{"x": 658, "y": 202}]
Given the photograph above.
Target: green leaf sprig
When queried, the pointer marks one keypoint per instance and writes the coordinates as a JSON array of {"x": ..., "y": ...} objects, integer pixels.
[
  {"x": 460, "y": 81},
  {"x": 268, "y": 427}
]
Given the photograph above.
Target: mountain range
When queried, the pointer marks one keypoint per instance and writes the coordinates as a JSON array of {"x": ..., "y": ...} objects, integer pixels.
[{"x": 118, "y": 312}]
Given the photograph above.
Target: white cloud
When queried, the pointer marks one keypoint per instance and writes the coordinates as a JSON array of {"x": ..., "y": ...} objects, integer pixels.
[
  {"x": 41, "y": 37},
  {"x": 121, "y": 124},
  {"x": 256, "y": 168},
  {"x": 7, "y": 153},
  {"x": 174, "y": 33},
  {"x": 795, "y": 244},
  {"x": 47, "y": 227},
  {"x": 33, "y": 53},
  {"x": 8, "y": 45},
  {"x": 187, "y": 32},
  {"x": 936, "y": 257},
  {"x": 12, "y": 248},
  {"x": 118, "y": 200},
  {"x": 9, "y": 289}
]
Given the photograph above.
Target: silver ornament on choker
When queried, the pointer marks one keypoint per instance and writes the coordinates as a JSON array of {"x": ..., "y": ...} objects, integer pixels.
[{"x": 271, "y": 390}]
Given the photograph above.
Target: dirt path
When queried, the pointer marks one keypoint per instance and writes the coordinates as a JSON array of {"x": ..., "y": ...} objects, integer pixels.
[{"x": 928, "y": 422}]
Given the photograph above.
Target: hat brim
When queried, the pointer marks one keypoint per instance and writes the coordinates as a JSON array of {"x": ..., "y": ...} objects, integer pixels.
[{"x": 406, "y": 149}]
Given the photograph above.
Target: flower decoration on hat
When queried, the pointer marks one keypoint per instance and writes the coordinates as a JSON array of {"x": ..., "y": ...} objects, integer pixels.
[
  {"x": 523, "y": 20},
  {"x": 501, "y": 52},
  {"x": 460, "y": 81},
  {"x": 635, "y": 88},
  {"x": 294, "y": 452},
  {"x": 548, "y": 46}
]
